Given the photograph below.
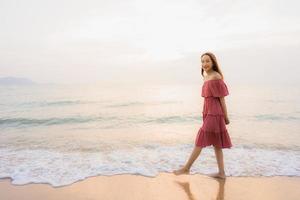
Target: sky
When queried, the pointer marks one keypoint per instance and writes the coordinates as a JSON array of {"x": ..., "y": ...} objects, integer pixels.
[{"x": 71, "y": 41}]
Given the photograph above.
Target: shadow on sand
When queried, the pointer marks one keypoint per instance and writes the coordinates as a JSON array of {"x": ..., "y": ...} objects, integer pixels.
[{"x": 186, "y": 187}]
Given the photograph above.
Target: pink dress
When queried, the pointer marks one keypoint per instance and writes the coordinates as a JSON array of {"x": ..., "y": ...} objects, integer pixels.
[{"x": 213, "y": 130}]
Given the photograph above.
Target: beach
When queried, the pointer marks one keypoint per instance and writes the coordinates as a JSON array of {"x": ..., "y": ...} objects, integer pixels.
[
  {"x": 107, "y": 99},
  {"x": 164, "y": 186}
]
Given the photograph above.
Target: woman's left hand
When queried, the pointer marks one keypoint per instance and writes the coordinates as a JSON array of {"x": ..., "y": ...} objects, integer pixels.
[{"x": 227, "y": 120}]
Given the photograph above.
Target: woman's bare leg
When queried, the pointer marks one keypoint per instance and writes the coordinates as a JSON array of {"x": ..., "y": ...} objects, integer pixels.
[
  {"x": 186, "y": 168},
  {"x": 219, "y": 157}
]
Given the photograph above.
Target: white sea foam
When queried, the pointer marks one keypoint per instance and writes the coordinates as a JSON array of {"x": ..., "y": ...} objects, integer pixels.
[{"x": 59, "y": 169}]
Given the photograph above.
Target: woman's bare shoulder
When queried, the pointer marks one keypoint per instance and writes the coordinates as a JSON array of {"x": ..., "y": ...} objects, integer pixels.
[{"x": 214, "y": 76}]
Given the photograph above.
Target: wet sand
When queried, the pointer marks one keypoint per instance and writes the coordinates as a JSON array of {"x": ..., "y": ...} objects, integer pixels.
[{"x": 164, "y": 186}]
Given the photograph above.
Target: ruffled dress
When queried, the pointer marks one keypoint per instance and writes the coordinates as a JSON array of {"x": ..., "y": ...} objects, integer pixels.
[{"x": 213, "y": 130}]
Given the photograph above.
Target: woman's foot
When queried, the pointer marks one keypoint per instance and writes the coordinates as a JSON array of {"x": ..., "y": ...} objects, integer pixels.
[
  {"x": 218, "y": 175},
  {"x": 182, "y": 170}
]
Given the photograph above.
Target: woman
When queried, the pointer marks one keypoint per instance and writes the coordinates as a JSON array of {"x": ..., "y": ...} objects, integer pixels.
[{"x": 215, "y": 118}]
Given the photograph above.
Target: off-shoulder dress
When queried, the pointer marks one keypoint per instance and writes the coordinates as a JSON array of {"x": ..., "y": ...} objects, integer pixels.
[{"x": 213, "y": 130}]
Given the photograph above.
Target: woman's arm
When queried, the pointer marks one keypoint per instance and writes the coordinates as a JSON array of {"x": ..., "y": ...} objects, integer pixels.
[{"x": 223, "y": 104}]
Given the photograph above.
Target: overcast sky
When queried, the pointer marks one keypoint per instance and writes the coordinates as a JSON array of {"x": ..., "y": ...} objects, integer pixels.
[{"x": 88, "y": 41}]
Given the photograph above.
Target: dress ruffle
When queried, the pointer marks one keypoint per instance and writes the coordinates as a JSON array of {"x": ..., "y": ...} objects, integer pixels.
[
  {"x": 213, "y": 132},
  {"x": 214, "y": 88}
]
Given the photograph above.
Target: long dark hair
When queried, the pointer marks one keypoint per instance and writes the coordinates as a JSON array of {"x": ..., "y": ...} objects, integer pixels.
[{"x": 215, "y": 65}]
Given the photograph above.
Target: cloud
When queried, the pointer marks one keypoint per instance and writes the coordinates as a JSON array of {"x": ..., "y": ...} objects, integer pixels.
[{"x": 103, "y": 38}]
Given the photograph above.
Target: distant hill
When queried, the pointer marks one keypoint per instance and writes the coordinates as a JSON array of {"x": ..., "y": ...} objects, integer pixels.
[{"x": 16, "y": 81}]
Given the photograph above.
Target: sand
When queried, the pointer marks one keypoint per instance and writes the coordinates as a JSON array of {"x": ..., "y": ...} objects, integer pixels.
[{"x": 164, "y": 186}]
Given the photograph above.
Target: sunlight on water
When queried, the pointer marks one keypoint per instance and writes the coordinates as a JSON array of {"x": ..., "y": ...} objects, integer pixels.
[{"x": 65, "y": 123}]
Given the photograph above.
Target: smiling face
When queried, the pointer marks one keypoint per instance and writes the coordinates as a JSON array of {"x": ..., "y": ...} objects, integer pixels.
[{"x": 207, "y": 63}]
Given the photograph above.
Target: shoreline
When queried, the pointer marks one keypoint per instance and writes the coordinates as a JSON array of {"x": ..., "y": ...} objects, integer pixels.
[
  {"x": 163, "y": 186},
  {"x": 139, "y": 175}
]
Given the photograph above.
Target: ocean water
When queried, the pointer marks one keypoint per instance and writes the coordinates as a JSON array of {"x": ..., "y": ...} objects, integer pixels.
[{"x": 60, "y": 134}]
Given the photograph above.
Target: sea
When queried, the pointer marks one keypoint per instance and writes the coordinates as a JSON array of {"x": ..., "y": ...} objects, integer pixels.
[{"x": 63, "y": 133}]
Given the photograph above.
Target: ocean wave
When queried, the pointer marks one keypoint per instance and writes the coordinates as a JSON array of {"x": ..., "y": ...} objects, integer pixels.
[
  {"x": 125, "y": 121},
  {"x": 16, "y": 122},
  {"x": 107, "y": 104},
  {"x": 113, "y": 120},
  {"x": 276, "y": 117},
  {"x": 64, "y": 168},
  {"x": 139, "y": 103},
  {"x": 172, "y": 119},
  {"x": 125, "y": 104},
  {"x": 55, "y": 103}
]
